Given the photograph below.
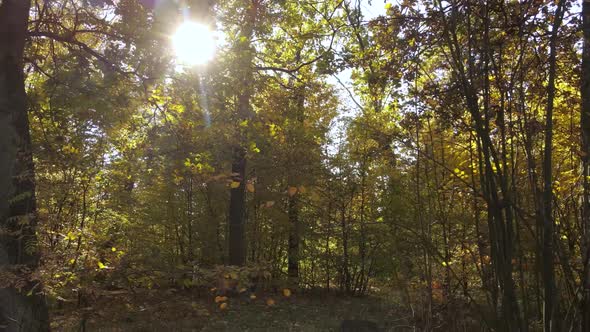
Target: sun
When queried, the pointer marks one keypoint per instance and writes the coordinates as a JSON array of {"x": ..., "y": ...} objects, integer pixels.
[{"x": 193, "y": 43}]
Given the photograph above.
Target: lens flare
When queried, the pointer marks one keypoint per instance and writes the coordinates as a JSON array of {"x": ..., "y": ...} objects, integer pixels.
[{"x": 193, "y": 43}]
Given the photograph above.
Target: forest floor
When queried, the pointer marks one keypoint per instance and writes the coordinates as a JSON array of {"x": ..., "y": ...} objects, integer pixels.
[{"x": 177, "y": 310}]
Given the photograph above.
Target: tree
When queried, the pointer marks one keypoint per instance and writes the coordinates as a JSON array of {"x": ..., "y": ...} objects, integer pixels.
[
  {"x": 585, "y": 153},
  {"x": 22, "y": 305},
  {"x": 550, "y": 300},
  {"x": 245, "y": 54}
]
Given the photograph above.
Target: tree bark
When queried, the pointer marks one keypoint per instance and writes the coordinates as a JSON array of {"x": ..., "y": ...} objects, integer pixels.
[
  {"x": 294, "y": 171},
  {"x": 473, "y": 79},
  {"x": 293, "y": 254},
  {"x": 237, "y": 240},
  {"x": 585, "y": 153},
  {"x": 189, "y": 219},
  {"x": 18, "y": 254},
  {"x": 550, "y": 296}
]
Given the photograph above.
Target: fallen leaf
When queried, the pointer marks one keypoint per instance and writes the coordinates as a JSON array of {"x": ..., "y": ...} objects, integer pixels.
[
  {"x": 292, "y": 191},
  {"x": 220, "y": 299},
  {"x": 250, "y": 187},
  {"x": 286, "y": 292}
]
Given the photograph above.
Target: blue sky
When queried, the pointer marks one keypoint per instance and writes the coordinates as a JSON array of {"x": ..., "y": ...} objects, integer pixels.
[{"x": 372, "y": 9}]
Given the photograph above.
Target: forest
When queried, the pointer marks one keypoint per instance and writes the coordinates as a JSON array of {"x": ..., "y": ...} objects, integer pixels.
[{"x": 295, "y": 165}]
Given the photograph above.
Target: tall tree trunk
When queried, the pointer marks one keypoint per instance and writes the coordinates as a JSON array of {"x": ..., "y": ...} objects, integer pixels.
[
  {"x": 237, "y": 240},
  {"x": 550, "y": 296},
  {"x": 585, "y": 126},
  {"x": 18, "y": 255},
  {"x": 345, "y": 275},
  {"x": 494, "y": 180},
  {"x": 294, "y": 171},
  {"x": 293, "y": 250},
  {"x": 189, "y": 219}
]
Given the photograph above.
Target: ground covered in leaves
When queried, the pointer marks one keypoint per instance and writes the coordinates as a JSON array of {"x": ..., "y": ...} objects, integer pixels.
[{"x": 179, "y": 310}]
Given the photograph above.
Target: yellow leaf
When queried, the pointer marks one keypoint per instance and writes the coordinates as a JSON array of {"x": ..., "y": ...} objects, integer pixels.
[
  {"x": 292, "y": 191},
  {"x": 223, "y": 306},
  {"x": 270, "y": 302},
  {"x": 113, "y": 249},
  {"x": 250, "y": 187},
  {"x": 234, "y": 184},
  {"x": 220, "y": 299},
  {"x": 101, "y": 265},
  {"x": 286, "y": 292}
]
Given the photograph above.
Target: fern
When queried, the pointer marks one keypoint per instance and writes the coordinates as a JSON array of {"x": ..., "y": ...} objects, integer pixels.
[{"x": 20, "y": 197}]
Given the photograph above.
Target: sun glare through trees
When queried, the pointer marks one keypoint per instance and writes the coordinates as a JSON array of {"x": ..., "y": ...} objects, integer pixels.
[
  {"x": 194, "y": 43},
  {"x": 295, "y": 165}
]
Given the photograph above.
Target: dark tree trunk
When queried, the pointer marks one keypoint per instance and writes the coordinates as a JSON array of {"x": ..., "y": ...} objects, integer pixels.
[
  {"x": 473, "y": 79},
  {"x": 189, "y": 220},
  {"x": 237, "y": 240},
  {"x": 18, "y": 254},
  {"x": 550, "y": 296},
  {"x": 293, "y": 255},
  {"x": 585, "y": 126},
  {"x": 345, "y": 277},
  {"x": 237, "y": 243},
  {"x": 294, "y": 171}
]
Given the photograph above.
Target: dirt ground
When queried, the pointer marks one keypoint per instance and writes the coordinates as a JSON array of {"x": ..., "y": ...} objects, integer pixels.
[{"x": 181, "y": 310}]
